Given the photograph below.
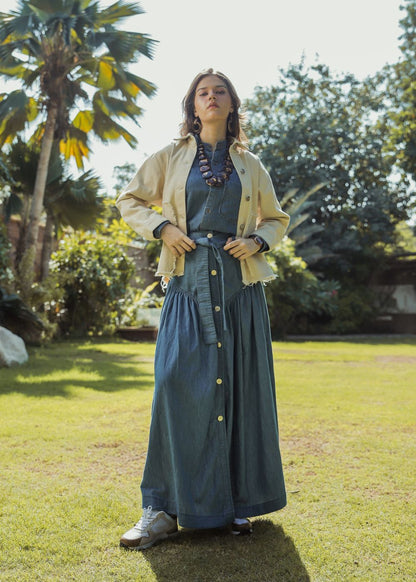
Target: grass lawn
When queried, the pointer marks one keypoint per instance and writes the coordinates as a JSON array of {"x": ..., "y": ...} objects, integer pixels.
[{"x": 74, "y": 423}]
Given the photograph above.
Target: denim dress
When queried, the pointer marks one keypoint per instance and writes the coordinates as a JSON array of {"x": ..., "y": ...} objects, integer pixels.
[{"x": 213, "y": 450}]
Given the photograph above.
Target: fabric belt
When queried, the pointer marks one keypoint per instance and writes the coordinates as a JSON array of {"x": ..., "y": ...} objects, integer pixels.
[{"x": 205, "y": 303}]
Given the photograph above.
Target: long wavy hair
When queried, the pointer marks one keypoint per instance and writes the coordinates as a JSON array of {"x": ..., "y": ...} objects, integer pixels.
[{"x": 236, "y": 119}]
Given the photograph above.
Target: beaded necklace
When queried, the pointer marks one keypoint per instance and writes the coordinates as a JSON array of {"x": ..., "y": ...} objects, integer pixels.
[{"x": 206, "y": 170}]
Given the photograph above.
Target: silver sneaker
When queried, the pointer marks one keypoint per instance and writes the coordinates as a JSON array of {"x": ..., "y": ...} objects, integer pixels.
[{"x": 152, "y": 527}]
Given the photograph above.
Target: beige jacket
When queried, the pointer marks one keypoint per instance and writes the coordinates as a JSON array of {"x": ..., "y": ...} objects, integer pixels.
[{"x": 161, "y": 181}]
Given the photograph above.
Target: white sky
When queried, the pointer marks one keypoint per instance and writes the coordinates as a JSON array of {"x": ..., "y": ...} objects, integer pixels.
[{"x": 248, "y": 41}]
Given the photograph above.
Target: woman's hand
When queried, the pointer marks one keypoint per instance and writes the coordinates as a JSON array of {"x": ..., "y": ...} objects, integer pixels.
[
  {"x": 176, "y": 241},
  {"x": 241, "y": 248}
]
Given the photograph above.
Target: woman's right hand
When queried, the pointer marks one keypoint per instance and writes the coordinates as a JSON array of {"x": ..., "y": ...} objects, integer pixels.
[{"x": 176, "y": 241}]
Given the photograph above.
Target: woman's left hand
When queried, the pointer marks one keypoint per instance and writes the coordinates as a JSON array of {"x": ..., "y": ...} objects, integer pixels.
[{"x": 241, "y": 248}]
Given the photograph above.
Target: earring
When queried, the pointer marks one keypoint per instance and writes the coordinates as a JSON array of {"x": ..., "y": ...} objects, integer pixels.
[
  {"x": 197, "y": 125},
  {"x": 230, "y": 123}
]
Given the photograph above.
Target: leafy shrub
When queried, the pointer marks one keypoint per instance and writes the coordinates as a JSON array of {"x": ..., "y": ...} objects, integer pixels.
[
  {"x": 298, "y": 301},
  {"x": 94, "y": 273},
  {"x": 357, "y": 310}
]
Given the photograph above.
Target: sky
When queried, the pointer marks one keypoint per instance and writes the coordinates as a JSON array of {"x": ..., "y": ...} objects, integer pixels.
[{"x": 249, "y": 42}]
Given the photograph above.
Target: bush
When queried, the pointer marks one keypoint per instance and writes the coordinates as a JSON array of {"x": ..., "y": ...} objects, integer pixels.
[
  {"x": 298, "y": 301},
  {"x": 357, "y": 310},
  {"x": 94, "y": 274}
]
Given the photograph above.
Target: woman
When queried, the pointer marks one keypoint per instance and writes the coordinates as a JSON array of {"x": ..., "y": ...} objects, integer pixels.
[{"x": 213, "y": 457}]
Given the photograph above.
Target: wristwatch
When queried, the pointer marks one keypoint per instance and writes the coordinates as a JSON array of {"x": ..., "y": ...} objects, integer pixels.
[
  {"x": 258, "y": 240},
  {"x": 157, "y": 233}
]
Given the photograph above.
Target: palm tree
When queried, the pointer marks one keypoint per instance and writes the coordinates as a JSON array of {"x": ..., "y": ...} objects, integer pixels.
[
  {"x": 67, "y": 201},
  {"x": 72, "y": 61}
]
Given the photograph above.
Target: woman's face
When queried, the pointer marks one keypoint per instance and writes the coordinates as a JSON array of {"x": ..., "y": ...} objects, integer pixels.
[{"x": 212, "y": 100}]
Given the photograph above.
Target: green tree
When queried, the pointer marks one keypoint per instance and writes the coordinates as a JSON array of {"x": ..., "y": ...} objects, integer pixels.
[
  {"x": 399, "y": 82},
  {"x": 72, "y": 61},
  {"x": 316, "y": 128},
  {"x": 123, "y": 174}
]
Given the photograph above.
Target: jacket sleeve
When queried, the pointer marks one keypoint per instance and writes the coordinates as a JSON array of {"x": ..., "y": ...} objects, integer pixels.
[
  {"x": 272, "y": 222},
  {"x": 144, "y": 191}
]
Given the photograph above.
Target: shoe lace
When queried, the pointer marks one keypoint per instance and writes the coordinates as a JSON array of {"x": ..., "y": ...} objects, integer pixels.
[{"x": 145, "y": 521}]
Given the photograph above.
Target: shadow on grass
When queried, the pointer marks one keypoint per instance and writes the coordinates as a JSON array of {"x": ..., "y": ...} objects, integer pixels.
[
  {"x": 56, "y": 370},
  {"x": 268, "y": 555}
]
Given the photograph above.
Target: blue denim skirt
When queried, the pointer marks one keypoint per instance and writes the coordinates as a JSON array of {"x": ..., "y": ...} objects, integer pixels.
[{"x": 213, "y": 450}]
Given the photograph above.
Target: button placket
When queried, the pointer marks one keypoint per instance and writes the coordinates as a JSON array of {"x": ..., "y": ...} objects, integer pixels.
[{"x": 215, "y": 284}]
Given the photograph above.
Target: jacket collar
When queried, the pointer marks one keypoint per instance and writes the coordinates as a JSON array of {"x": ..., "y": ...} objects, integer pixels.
[{"x": 235, "y": 144}]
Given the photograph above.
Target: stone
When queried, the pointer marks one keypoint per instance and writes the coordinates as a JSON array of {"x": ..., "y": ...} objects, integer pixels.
[{"x": 12, "y": 348}]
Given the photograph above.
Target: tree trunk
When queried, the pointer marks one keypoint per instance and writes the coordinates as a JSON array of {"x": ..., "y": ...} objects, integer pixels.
[
  {"x": 39, "y": 189},
  {"x": 46, "y": 246},
  {"x": 21, "y": 241}
]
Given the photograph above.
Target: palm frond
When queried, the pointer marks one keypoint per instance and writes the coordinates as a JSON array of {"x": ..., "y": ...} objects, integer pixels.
[
  {"x": 51, "y": 8},
  {"x": 108, "y": 130},
  {"x": 29, "y": 47},
  {"x": 76, "y": 203},
  {"x": 297, "y": 202},
  {"x": 10, "y": 67},
  {"x": 305, "y": 234},
  {"x": 16, "y": 24},
  {"x": 31, "y": 76},
  {"x": 141, "y": 84},
  {"x": 118, "y": 11},
  {"x": 84, "y": 120},
  {"x": 112, "y": 106},
  {"x": 75, "y": 145},
  {"x": 313, "y": 254},
  {"x": 106, "y": 77},
  {"x": 287, "y": 196},
  {"x": 23, "y": 164},
  {"x": 56, "y": 167},
  {"x": 17, "y": 109},
  {"x": 125, "y": 46},
  {"x": 296, "y": 221}
]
